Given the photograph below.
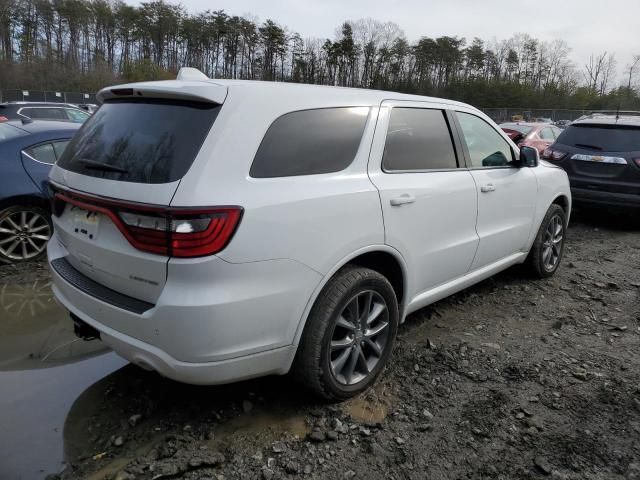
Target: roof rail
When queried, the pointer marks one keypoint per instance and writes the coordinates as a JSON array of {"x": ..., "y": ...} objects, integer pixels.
[
  {"x": 615, "y": 112},
  {"x": 190, "y": 73}
]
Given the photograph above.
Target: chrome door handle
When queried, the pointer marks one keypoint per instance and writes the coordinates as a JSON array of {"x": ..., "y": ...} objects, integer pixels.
[
  {"x": 489, "y": 187},
  {"x": 402, "y": 200}
]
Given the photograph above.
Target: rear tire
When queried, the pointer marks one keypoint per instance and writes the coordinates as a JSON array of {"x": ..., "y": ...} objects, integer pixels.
[
  {"x": 24, "y": 233},
  {"x": 548, "y": 247},
  {"x": 349, "y": 334}
]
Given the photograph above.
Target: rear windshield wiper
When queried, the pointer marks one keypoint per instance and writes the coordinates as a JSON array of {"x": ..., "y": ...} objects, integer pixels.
[
  {"x": 94, "y": 165},
  {"x": 590, "y": 147}
]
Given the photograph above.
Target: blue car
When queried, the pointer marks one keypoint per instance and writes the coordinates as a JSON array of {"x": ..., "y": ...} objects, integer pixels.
[{"x": 27, "y": 152}]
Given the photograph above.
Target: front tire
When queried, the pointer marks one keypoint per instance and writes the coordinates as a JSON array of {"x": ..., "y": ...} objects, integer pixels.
[
  {"x": 548, "y": 247},
  {"x": 349, "y": 334}
]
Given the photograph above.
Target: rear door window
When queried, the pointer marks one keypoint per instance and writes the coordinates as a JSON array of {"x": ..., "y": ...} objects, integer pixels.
[
  {"x": 310, "y": 142},
  {"x": 418, "y": 139},
  {"x": 44, "y": 113},
  {"x": 606, "y": 138},
  {"x": 43, "y": 153},
  {"x": 144, "y": 141}
]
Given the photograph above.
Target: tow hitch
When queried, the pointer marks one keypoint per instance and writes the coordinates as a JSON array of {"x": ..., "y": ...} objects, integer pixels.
[{"x": 83, "y": 330}]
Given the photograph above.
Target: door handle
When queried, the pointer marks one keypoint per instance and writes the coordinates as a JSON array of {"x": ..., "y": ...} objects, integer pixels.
[
  {"x": 403, "y": 199},
  {"x": 489, "y": 187}
]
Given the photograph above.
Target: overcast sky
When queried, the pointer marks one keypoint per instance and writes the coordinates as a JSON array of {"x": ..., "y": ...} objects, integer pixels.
[{"x": 589, "y": 26}]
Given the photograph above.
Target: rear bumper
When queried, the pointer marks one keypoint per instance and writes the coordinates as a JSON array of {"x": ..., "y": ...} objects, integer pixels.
[
  {"x": 276, "y": 361},
  {"x": 598, "y": 198},
  {"x": 214, "y": 322}
]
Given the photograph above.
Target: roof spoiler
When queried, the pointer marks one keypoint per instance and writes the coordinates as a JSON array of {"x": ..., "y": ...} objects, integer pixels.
[{"x": 190, "y": 84}]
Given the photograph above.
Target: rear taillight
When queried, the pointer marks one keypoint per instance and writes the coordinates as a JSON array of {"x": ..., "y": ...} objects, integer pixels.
[
  {"x": 176, "y": 232},
  {"x": 3, "y": 119},
  {"x": 553, "y": 155}
]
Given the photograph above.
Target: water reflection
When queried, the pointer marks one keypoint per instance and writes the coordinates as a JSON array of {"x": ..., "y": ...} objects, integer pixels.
[
  {"x": 35, "y": 331},
  {"x": 43, "y": 369}
]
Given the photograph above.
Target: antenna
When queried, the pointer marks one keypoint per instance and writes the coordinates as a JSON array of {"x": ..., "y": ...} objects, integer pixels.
[{"x": 190, "y": 73}]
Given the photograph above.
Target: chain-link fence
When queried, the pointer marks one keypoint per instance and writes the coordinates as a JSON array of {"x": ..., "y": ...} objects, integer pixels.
[
  {"x": 40, "y": 96},
  {"x": 500, "y": 115}
]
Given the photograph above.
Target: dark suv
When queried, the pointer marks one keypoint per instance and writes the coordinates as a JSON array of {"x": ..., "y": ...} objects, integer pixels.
[{"x": 601, "y": 155}]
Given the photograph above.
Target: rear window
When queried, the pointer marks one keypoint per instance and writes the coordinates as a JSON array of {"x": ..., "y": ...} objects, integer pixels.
[
  {"x": 310, "y": 142},
  {"x": 8, "y": 132},
  {"x": 144, "y": 141},
  {"x": 613, "y": 138}
]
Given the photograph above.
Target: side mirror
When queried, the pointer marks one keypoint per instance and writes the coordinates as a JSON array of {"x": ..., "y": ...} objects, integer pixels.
[{"x": 529, "y": 157}]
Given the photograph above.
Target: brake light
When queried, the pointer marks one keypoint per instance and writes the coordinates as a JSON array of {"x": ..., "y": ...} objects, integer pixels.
[
  {"x": 3, "y": 118},
  {"x": 553, "y": 155},
  {"x": 176, "y": 232}
]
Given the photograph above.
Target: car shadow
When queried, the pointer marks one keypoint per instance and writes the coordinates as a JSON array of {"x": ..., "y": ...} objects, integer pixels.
[{"x": 614, "y": 219}]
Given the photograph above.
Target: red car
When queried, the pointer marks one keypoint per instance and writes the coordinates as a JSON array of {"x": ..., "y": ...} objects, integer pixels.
[{"x": 536, "y": 135}]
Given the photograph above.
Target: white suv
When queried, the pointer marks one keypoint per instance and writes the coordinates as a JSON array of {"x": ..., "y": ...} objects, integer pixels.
[{"x": 217, "y": 230}]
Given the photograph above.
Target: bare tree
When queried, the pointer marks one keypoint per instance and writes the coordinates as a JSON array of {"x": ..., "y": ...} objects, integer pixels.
[
  {"x": 631, "y": 69},
  {"x": 598, "y": 67},
  {"x": 608, "y": 73}
]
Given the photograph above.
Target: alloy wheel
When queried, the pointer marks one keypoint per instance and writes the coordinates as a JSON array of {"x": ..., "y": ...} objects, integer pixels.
[
  {"x": 359, "y": 338},
  {"x": 552, "y": 245},
  {"x": 23, "y": 234}
]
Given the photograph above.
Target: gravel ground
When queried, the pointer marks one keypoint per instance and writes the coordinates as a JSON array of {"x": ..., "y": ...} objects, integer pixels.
[{"x": 512, "y": 378}]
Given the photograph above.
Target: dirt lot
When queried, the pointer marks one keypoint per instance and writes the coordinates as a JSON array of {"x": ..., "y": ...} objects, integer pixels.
[{"x": 510, "y": 379}]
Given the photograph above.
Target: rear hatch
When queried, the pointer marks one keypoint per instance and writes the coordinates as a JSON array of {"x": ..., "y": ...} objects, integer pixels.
[
  {"x": 602, "y": 157},
  {"x": 114, "y": 184}
]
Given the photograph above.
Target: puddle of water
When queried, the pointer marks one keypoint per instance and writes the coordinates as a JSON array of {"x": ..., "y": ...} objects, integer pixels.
[
  {"x": 44, "y": 368},
  {"x": 110, "y": 470},
  {"x": 35, "y": 331}
]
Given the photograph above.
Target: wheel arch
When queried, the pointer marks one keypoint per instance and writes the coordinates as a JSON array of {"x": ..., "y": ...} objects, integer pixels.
[
  {"x": 564, "y": 202},
  {"x": 28, "y": 200},
  {"x": 381, "y": 258}
]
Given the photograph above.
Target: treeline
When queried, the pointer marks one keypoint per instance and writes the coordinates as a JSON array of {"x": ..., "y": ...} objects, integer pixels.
[{"x": 87, "y": 44}]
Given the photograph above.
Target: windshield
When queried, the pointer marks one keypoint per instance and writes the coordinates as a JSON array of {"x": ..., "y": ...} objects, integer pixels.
[
  {"x": 606, "y": 138},
  {"x": 144, "y": 141}
]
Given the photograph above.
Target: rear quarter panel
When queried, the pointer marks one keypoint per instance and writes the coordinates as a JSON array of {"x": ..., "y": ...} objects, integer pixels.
[{"x": 314, "y": 219}]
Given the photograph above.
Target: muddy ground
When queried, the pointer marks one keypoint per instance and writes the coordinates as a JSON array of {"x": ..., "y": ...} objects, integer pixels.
[{"x": 513, "y": 378}]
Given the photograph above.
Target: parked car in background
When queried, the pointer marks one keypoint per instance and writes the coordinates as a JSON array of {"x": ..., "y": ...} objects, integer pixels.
[
  {"x": 89, "y": 107},
  {"x": 601, "y": 155},
  {"x": 217, "y": 230},
  {"x": 546, "y": 120},
  {"x": 27, "y": 152},
  {"x": 64, "y": 112},
  {"x": 528, "y": 134},
  {"x": 562, "y": 124}
]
